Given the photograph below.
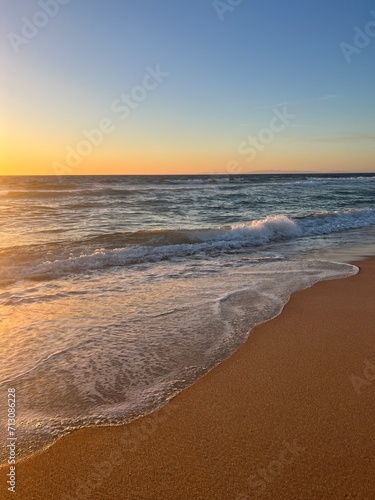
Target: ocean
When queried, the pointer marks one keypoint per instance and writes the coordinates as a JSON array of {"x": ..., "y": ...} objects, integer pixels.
[{"x": 117, "y": 292}]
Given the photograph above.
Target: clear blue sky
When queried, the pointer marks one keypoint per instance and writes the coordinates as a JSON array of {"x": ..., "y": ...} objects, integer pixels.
[{"x": 224, "y": 77}]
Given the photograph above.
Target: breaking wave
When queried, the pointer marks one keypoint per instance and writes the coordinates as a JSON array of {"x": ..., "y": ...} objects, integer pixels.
[{"x": 130, "y": 248}]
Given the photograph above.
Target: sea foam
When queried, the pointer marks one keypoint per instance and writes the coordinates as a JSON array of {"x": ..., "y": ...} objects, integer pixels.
[{"x": 112, "y": 362}]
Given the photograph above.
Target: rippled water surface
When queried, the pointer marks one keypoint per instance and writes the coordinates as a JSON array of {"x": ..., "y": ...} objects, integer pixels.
[{"x": 117, "y": 292}]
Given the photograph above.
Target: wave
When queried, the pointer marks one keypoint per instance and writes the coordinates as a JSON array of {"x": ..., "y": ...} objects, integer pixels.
[
  {"x": 283, "y": 180},
  {"x": 257, "y": 232},
  {"x": 106, "y": 191},
  {"x": 40, "y": 193},
  {"x": 149, "y": 246},
  {"x": 125, "y": 185}
]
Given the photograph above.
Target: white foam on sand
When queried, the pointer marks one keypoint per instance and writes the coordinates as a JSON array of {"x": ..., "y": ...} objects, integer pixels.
[{"x": 138, "y": 345}]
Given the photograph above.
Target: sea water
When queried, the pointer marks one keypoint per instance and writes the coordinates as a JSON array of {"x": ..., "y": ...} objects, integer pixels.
[{"x": 118, "y": 292}]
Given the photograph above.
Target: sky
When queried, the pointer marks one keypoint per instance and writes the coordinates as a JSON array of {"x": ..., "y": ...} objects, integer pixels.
[{"x": 186, "y": 87}]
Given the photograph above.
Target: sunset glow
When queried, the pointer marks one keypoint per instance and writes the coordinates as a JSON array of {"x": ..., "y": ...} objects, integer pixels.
[{"x": 174, "y": 103}]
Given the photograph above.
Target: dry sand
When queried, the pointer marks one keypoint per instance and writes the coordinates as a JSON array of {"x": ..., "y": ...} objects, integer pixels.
[{"x": 290, "y": 415}]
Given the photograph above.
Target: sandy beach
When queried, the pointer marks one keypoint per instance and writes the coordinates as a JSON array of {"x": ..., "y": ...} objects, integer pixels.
[
  {"x": 183, "y": 189},
  {"x": 290, "y": 415}
]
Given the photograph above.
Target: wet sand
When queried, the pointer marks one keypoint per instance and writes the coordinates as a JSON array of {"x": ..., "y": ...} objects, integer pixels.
[{"x": 290, "y": 415}]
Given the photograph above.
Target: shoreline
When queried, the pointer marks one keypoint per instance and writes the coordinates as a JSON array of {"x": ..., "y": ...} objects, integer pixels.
[
  {"x": 217, "y": 362},
  {"x": 244, "y": 442}
]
